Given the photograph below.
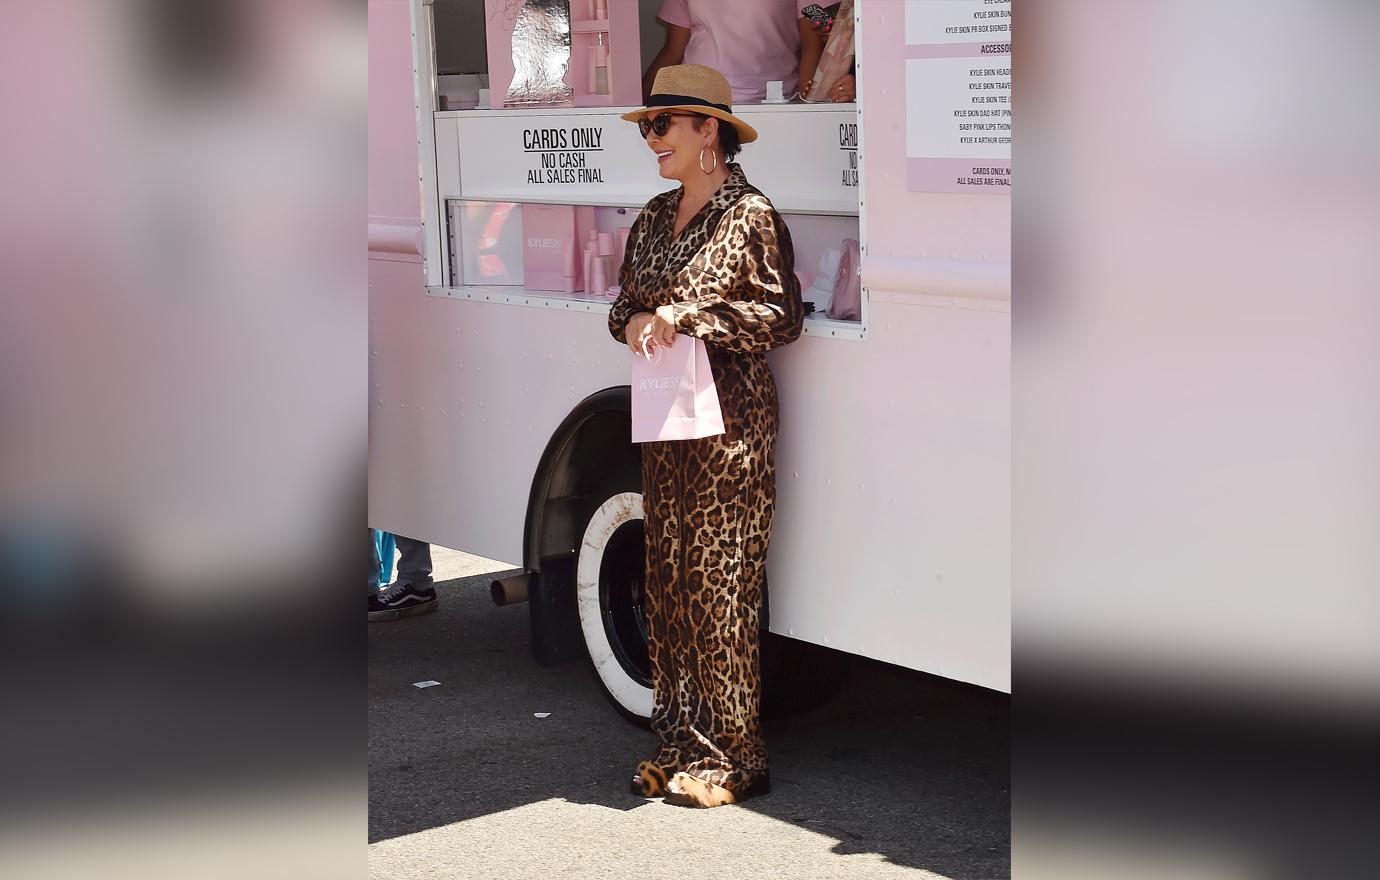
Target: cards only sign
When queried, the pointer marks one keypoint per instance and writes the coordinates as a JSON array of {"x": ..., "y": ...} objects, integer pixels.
[
  {"x": 574, "y": 157},
  {"x": 564, "y": 155},
  {"x": 806, "y": 158}
]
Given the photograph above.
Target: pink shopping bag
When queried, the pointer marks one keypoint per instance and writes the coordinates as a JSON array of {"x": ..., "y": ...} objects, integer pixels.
[{"x": 673, "y": 394}]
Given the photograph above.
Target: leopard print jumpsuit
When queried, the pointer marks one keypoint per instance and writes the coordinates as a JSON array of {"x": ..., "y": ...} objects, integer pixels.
[{"x": 731, "y": 277}]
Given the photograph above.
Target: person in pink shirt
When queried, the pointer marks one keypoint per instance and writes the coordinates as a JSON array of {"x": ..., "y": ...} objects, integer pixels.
[{"x": 749, "y": 41}]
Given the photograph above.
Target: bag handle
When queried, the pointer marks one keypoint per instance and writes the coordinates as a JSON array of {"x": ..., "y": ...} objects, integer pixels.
[{"x": 657, "y": 360}]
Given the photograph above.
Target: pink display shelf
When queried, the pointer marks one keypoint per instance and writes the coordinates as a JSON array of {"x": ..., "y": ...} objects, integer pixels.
[{"x": 621, "y": 34}]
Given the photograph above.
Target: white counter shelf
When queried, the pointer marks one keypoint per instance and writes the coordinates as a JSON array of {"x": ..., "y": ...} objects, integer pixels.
[
  {"x": 518, "y": 296},
  {"x": 815, "y": 325}
]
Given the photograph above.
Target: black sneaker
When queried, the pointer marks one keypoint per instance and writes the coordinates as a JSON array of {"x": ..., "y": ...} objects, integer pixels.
[{"x": 401, "y": 600}]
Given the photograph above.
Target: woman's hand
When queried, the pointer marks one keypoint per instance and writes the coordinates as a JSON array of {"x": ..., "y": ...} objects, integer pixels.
[
  {"x": 844, "y": 89},
  {"x": 646, "y": 330},
  {"x": 664, "y": 326},
  {"x": 636, "y": 331}
]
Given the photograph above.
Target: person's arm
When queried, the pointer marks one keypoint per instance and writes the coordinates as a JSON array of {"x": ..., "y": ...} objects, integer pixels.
[
  {"x": 620, "y": 313},
  {"x": 811, "y": 48},
  {"x": 624, "y": 307},
  {"x": 672, "y": 52},
  {"x": 760, "y": 308}
]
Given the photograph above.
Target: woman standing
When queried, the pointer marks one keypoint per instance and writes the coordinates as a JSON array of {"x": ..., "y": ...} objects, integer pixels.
[{"x": 712, "y": 260}]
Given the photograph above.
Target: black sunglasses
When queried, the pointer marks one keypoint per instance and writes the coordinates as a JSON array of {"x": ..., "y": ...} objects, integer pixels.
[{"x": 661, "y": 124}]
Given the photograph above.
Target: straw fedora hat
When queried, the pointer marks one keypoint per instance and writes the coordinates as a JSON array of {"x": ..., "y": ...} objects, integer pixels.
[{"x": 696, "y": 88}]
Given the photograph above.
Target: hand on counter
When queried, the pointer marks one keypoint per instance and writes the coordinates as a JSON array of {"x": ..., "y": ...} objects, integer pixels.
[{"x": 845, "y": 89}]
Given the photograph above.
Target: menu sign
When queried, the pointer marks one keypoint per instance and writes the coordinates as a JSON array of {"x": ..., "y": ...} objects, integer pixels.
[{"x": 958, "y": 95}]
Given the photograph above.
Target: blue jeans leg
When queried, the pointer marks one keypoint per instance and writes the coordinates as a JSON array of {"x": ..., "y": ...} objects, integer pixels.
[
  {"x": 373, "y": 565},
  {"x": 414, "y": 561}
]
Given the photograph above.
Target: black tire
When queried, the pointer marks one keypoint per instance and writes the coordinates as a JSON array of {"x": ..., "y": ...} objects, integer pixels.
[{"x": 609, "y": 575}]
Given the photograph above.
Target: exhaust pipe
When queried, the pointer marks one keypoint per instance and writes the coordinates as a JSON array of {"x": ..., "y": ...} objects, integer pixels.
[{"x": 512, "y": 590}]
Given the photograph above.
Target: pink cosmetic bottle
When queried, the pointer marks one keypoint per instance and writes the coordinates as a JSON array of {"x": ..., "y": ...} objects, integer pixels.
[
  {"x": 623, "y": 234},
  {"x": 598, "y": 279},
  {"x": 599, "y": 81},
  {"x": 568, "y": 261},
  {"x": 606, "y": 254},
  {"x": 589, "y": 267}
]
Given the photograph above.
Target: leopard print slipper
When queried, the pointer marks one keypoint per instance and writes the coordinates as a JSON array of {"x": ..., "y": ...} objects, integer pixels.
[
  {"x": 685, "y": 790},
  {"x": 649, "y": 781}
]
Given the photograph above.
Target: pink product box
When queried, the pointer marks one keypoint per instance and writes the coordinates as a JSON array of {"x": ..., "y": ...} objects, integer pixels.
[
  {"x": 551, "y": 256},
  {"x": 489, "y": 246}
]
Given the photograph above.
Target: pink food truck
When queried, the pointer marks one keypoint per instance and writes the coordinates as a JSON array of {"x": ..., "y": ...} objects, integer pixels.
[{"x": 501, "y": 186}]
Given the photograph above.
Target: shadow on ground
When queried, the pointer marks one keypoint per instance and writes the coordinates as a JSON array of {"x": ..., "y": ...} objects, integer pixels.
[{"x": 910, "y": 767}]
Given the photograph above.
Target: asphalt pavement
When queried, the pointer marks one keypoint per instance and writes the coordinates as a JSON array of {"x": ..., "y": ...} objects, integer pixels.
[{"x": 898, "y": 775}]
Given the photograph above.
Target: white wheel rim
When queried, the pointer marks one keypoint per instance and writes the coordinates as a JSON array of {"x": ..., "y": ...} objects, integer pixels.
[{"x": 611, "y": 515}]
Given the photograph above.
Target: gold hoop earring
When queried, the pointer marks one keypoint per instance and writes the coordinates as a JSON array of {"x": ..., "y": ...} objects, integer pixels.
[{"x": 712, "y": 168}]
